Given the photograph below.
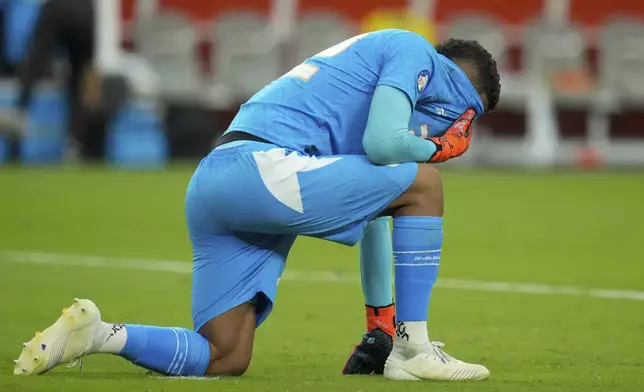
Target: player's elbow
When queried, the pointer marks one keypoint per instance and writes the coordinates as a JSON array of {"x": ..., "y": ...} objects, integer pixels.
[
  {"x": 377, "y": 152},
  {"x": 380, "y": 157}
]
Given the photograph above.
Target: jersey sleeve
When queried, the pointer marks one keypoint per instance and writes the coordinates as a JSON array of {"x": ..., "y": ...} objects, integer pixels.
[
  {"x": 387, "y": 139},
  {"x": 408, "y": 64}
]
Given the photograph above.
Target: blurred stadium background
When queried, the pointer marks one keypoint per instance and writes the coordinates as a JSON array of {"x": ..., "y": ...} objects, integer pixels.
[
  {"x": 573, "y": 83},
  {"x": 542, "y": 277}
]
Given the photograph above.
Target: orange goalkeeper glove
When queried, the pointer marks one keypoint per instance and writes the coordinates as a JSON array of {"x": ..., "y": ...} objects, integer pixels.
[{"x": 456, "y": 139}]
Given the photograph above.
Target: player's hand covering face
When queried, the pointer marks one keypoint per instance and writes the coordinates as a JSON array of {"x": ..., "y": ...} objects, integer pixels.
[
  {"x": 431, "y": 120},
  {"x": 456, "y": 139}
]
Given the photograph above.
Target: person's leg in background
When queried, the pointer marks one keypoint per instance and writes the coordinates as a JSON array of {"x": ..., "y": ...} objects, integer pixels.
[
  {"x": 67, "y": 25},
  {"x": 77, "y": 38},
  {"x": 77, "y": 116},
  {"x": 94, "y": 99},
  {"x": 34, "y": 65},
  {"x": 6, "y": 69}
]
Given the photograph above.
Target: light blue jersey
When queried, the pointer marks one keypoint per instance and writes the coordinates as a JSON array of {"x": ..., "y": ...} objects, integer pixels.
[
  {"x": 324, "y": 102},
  {"x": 325, "y": 170}
]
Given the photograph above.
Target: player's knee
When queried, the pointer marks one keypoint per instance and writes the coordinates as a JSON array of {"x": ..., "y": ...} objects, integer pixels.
[
  {"x": 229, "y": 367},
  {"x": 239, "y": 365},
  {"x": 231, "y": 336},
  {"x": 425, "y": 195},
  {"x": 233, "y": 371},
  {"x": 229, "y": 363}
]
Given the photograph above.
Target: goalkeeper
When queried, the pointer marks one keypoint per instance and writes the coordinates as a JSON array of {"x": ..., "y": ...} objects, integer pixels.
[{"x": 323, "y": 151}]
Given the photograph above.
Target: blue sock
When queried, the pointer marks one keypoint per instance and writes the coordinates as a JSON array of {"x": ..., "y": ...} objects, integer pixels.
[
  {"x": 375, "y": 263},
  {"x": 417, "y": 244},
  {"x": 171, "y": 351}
]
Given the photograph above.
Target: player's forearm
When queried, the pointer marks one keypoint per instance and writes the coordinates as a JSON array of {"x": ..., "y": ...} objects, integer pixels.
[
  {"x": 399, "y": 148},
  {"x": 410, "y": 148},
  {"x": 387, "y": 139}
]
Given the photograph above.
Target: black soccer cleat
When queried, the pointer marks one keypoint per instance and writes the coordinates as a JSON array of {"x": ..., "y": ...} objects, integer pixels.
[{"x": 370, "y": 355}]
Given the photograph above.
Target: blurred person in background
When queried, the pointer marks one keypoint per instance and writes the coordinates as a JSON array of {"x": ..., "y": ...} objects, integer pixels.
[
  {"x": 5, "y": 67},
  {"x": 68, "y": 27}
]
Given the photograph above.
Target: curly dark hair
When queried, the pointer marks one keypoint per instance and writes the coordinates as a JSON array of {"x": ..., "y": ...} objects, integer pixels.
[{"x": 485, "y": 75}]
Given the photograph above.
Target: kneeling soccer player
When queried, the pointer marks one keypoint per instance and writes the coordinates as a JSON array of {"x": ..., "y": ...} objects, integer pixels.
[
  {"x": 321, "y": 152},
  {"x": 376, "y": 249}
]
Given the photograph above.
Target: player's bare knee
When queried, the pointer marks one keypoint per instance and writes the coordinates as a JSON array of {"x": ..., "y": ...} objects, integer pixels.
[
  {"x": 231, "y": 336},
  {"x": 234, "y": 370},
  {"x": 228, "y": 367},
  {"x": 229, "y": 363},
  {"x": 425, "y": 196},
  {"x": 239, "y": 365}
]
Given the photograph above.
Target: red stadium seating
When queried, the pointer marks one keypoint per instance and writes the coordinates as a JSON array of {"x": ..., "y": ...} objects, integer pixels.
[
  {"x": 594, "y": 13},
  {"x": 209, "y": 9},
  {"x": 127, "y": 8},
  {"x": 516, "y": 14},
  {"x": 352, "y": 10},
  {"x": 590, "y": 13}
]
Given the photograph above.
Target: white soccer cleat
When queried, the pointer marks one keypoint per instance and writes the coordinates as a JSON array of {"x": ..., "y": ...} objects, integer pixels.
[
  {"x": 430, "y": 362},
  {"x": 68, "y": 339}
]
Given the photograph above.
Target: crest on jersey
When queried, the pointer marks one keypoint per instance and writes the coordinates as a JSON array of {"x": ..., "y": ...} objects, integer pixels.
[{"x": 423, "y": 78}]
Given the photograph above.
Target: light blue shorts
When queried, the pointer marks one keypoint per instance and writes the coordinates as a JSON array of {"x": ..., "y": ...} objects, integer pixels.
[{"x": 246, "y": 204}]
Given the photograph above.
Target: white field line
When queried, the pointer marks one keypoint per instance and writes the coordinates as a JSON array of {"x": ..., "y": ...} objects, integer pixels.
[{"x": 183, "y": 267}]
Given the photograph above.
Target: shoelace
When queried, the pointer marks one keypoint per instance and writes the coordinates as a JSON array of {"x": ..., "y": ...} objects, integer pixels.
[
  {"x": 437, "y": 347},
  {"x": 76, "y": 361}
]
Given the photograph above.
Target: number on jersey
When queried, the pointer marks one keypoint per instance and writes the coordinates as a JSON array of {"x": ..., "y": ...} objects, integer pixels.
[{"x": 306, "y": 71}]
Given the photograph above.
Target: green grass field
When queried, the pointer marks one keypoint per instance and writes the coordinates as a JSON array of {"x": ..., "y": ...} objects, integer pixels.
[{"x": 550, "y": 230}]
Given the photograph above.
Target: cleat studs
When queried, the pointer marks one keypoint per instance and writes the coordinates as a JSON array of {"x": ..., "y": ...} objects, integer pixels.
[
  {"x": 76, "y": 300},
  {"x": 36, "y": 358},
  {"x": 15, "y": 361},
  {"x": 65, "y": 310},
  {"x": 24, "y": 370},
  {"x": 24, "y": 345},
  {"x": 83, "y": 310}
]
